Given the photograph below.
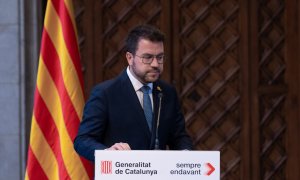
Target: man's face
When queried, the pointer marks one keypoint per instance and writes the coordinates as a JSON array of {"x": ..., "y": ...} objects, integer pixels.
[{"x": 146, "y": 73}]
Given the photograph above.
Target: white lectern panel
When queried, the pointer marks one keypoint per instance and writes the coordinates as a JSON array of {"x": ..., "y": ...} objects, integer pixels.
[{"x": 158, "y": 165}]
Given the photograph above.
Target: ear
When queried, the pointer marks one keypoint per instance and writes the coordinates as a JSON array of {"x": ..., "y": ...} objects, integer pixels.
[{"x": 129, "y": 58}]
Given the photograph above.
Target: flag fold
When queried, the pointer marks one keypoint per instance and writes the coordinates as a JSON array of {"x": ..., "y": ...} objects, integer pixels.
[{"x": 58, "y": 100}]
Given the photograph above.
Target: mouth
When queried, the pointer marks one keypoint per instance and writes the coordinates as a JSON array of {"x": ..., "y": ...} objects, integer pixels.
[{"x": 154, "y": 73}]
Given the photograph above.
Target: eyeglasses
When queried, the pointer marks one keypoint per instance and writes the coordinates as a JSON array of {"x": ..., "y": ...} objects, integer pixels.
[{"x": 148, "y": 58}]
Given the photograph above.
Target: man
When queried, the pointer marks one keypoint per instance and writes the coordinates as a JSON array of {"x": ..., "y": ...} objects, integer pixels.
[{"x": 135, "y": 110}]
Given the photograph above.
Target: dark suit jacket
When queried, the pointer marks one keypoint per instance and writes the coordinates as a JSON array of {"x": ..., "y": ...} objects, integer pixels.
[{"x": 114, "y": 114}]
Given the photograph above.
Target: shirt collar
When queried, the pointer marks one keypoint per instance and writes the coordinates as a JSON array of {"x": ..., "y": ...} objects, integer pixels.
[{"x": 136, "y": 83}]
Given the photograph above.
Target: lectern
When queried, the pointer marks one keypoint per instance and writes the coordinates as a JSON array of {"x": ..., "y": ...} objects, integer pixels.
[{"x": 157, "y": 165}]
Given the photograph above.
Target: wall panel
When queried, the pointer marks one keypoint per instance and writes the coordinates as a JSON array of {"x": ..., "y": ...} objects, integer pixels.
[{"x": 235, "y": 64}]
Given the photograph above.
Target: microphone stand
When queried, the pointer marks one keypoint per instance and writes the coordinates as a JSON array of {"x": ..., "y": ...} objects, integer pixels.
[{"x": 156, "y": 146}]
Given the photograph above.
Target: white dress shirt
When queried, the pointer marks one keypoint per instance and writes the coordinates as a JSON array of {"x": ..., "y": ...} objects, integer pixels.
[{"x": 137, "y": 85}]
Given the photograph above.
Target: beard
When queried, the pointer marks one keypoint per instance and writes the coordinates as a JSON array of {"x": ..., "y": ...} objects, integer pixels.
[{"x": 146, "y": 75}]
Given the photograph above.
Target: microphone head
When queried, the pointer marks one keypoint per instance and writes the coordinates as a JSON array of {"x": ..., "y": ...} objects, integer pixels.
[{"x": 160, "y": 95}]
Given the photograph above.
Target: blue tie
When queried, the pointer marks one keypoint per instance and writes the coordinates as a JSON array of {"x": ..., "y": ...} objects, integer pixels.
[{"x": 147, "y": 105}]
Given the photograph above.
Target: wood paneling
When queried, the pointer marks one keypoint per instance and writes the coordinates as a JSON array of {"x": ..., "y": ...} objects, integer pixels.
[{"x": 235, "y": 64}]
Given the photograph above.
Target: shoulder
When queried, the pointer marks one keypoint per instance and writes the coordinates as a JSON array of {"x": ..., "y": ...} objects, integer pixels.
[
  {"x": 110, "y": 85},
  {"x": 164, "y": 86},
  {"x": 168, "y": 90}
]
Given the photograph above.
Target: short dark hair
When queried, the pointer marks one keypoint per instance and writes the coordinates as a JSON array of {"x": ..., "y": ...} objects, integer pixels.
[{"x": 142, "y": 32}]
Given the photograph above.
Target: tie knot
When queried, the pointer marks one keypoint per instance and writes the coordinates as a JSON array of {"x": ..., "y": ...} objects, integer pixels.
[{"x": 145, "y": 89}]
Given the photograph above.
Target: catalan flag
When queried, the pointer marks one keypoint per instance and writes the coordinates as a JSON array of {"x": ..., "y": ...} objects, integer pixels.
[{"x": 58, "y": 100}]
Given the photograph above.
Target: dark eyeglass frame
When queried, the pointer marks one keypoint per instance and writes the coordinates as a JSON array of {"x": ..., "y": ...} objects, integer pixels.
[{"x": 148, "y": 58}]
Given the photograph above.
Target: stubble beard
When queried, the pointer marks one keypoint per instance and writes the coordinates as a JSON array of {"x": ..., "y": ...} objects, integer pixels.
[{"x": 146, "y": 77}]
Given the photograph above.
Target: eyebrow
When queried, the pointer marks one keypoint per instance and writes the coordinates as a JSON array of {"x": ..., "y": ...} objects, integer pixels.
[{"x": 147, "y": 54}]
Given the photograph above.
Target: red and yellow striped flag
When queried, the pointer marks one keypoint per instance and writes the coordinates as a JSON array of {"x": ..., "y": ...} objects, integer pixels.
[{"x": 58, "y": 100}]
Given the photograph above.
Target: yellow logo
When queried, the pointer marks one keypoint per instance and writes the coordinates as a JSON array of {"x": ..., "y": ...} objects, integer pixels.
[{"x": 158, "y": 88}]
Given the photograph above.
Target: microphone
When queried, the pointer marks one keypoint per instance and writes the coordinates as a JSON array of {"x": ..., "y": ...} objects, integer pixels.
[{"x": 156, "y": 146}]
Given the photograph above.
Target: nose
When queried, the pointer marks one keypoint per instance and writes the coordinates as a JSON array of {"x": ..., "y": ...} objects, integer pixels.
[{"x": 154, "y": 63}]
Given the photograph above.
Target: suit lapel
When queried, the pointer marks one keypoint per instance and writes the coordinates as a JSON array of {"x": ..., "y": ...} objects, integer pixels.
[{"x": 130, "y": 96}]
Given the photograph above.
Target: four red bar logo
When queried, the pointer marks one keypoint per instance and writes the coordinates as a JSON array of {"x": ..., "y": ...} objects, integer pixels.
[{"x": 106, "y": 167}]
